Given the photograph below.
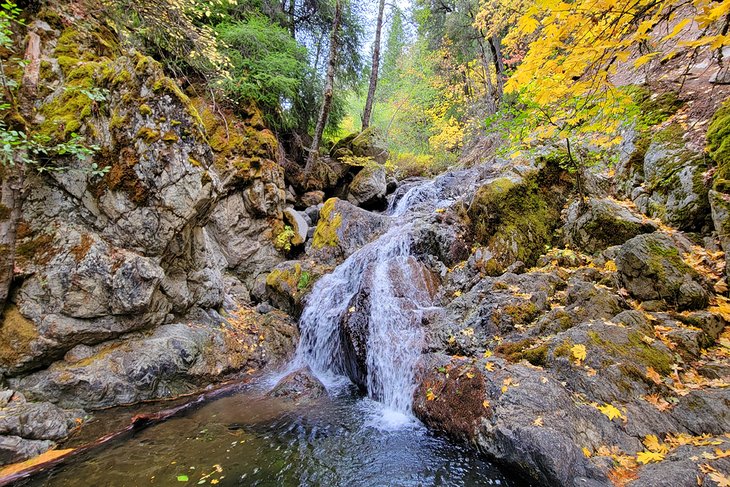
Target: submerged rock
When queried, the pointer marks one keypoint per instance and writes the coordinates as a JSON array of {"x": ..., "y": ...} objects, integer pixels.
[{"x": 300, "y": 385}]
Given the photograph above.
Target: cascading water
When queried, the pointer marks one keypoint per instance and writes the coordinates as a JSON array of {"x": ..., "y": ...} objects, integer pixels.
[{"x": 397, "y": 297}]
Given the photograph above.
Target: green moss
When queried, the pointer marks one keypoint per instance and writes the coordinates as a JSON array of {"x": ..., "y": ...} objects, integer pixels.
[
  {"x": 514, "y": 220},
  {"x": 718, "y": 141},
  {"x": 654, "y": 108},
  {"x": 170, "y": 137},
  {"x": 564, "y": 349},
  {"x": 118, "y": 121},
  {"x": 149, "y": 135},
  {"x": 145, "y": 109},
  {"x": 636, "y": 350},
  {"x": 522, "y": 313},
  {"x": 518, "y": 351},
  {"x": 286, "y": 280},
  {"x": 325, "y": 235}
]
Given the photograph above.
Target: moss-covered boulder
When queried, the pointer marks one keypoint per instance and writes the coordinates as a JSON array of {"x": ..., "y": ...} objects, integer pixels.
[
  {"x": 289, "y": 282},
  {"x": 367, "y": 144},
  {"x": 342, "y": 229},
  {"x": 515, "y": 218},
  {"x": 651, "y": 268},
  {"x": 599, "y": 223},
  {"x": 718, "y": 143}
]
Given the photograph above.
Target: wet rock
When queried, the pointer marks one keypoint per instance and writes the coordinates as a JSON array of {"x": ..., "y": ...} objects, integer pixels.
[
  {"x": 289, "y": 282},
  {"x": 14, "y": 449},
  {"x": 651, "y": 268},
  {"x": 368, "y": 188},
  {"x": 342, "y": 229},
  {"x": 600, "y": 223},
  {"x": 300, "y": 385},
  {"x": 410, "y": 282}
]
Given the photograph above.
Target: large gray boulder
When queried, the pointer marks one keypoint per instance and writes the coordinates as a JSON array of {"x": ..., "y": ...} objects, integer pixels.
[
  {"x": 651, "y": 268},
  {"x": 342, "y": 229},
  {"x": 597, "y": 224},
  {"x": 369, "y": 187}
]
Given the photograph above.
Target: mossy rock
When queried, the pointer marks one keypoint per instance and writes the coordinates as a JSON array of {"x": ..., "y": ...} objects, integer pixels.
[
  {"x": 515, "y": 220},
  {"x": 325, "y": 235},
  {"x": 718, "y": 142},
  {"x": 17, "y": 335}
]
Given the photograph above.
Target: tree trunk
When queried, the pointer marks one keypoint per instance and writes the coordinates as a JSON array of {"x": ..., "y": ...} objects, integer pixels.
[
  {"x": 12, "y": 179},
  {"x": 324, "y": 113},
  {"x": 495, "y": 45},
  {"x": 367, "y": 112}
]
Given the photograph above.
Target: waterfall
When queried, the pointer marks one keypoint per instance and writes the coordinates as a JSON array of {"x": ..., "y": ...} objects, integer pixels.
[{"x": 397, "y": 295}]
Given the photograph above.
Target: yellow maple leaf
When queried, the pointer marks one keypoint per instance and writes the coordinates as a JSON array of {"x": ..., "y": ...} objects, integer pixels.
[
  {"x": 470, "y": 375},
  {"x": 610, "y": 266},
  {"x": 610, "y": 411},
  {"x": 652, "y": 443},
  {"x": 457, "y": 294},
  {"x": 487, "y": 354},
  {"x": 538, "y": 421},
  {"x": 649, "y": 456},
  {"x": 430, "y": 396},
  {"x": 485, "y": 404},
  {"x": 489, "y": 366},
  {"x": 579, "y": 352},
  {"x": 587, "y": 452}
]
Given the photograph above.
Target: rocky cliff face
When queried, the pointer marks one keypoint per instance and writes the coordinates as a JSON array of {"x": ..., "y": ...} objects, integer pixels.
[{"x": 133, "y": 284}]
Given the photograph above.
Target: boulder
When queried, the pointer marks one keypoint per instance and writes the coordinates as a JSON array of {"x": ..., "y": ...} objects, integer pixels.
[
  {"x": 363, "y": 144},
  {"x": 298, "y": 224},
  {"x": 14, "y": 449},
  {"x": 651, "y": 268},
  {"x": 38, "y": 421},
  {"x": 300, "y": 385},
  {"x": 342, "y": 229},
  {"x": 289, "y": 282},
  {"x": 597, "y": 224},
  {"x": 368, "y": 188}
]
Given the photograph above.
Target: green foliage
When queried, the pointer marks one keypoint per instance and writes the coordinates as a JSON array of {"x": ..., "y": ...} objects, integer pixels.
[
  {"x": 269, "y": 66},
  {"x": 304, "y": 280},
  {"x": 283, "y": 241}
]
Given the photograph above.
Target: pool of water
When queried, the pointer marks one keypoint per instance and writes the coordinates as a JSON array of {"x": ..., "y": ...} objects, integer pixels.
[{"x": 248, "y": 438}]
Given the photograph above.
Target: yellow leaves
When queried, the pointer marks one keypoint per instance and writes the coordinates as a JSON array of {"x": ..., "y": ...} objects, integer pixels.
[
  {"x": 527, "y": 24},
  {"x": 579, "y": 353},
  {"x": 648, "y": 457},
  {"x": 489, "y": 366},
  {"x": 720, "y": 479},
  {"x": 658, "y": 402},
  {"x": 487, "y": 354},
  {"x": 677, "y": 29},
  {"x": 652, "y": 443},
  {"x": 641, "y": 60},
  {"x": 470, "y": 375},
  {"x": 610, "y": 411},
  {"x": 507, "y": 383},
  {"x": 722, "y": 308},
  {"x": 485, "y": 404},
  {"x": 538, "y": 421},
  {"x": 457, "y": 294},
  {"x": 430, "y": 396},
  {"x": 610, "y": 266},
  {"x": 587, "y": 452}
]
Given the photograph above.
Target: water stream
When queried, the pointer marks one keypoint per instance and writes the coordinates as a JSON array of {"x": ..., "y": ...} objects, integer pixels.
[{"x": 249, "y": 438}]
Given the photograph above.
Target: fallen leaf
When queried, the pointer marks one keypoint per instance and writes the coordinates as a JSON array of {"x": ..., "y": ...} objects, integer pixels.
[
  {"x": 579, "y": 352},
  {"x": 648, "y": 457},
  {"x": 653, "y": 375},
  {"x": 610, "y": 411},
  {"x": 587, "y": 452},
  {"x": 538, "y": 421},
  {"x": 489, "y": 366},
  {"x": 182, "y": 478}
]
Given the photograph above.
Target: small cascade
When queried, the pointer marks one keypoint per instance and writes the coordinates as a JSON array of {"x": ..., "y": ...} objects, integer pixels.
[{"x": 397, "y": 295}]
